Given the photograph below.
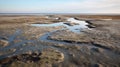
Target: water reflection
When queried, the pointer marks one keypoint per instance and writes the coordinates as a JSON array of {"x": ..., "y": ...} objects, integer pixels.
[{"x": 77, "y": 27}]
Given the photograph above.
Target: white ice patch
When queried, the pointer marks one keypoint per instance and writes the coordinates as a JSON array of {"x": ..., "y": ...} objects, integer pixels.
[
  {"x": 75, "y": 28},
  {"x": 81, "y": 23},
  {"x": 72, "y": 20}
]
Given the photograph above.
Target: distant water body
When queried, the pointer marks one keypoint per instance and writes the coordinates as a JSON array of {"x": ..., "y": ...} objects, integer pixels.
[
  {"x": 25, "y": 14},
  {"x": 55, "y": 14},
  {"x": 38, "y": 13}
]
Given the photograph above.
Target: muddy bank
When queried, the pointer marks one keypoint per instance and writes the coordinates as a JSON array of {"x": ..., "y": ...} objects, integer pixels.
[{"x": 43, "y": 58}]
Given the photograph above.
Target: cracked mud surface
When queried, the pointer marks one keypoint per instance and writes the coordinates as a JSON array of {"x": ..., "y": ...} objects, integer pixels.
[{"x": 24, "y": 45}]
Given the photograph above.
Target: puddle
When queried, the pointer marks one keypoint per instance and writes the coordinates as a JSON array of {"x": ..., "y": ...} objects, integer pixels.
[
  {"x": 48, "y": 25},
  {"x": 76, "y": 28}
]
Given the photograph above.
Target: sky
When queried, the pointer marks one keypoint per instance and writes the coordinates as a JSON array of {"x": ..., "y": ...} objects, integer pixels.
[{"x": 60, "y": 6}]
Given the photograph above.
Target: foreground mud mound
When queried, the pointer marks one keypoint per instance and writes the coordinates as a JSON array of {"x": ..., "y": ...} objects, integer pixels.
[
  {"x": 45, "y": 58},
  {"x": 62, "y": 35}
]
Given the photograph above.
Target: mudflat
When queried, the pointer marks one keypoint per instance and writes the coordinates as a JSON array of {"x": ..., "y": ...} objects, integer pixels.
[{"x": 60, "y": 41}]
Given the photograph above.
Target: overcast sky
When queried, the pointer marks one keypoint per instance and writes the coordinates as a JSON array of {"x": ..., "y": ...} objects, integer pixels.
[{"x": 60, "y": 6}]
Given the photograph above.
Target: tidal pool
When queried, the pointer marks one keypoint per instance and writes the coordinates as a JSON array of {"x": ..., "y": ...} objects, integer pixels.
[{"x": 76, "y": 28}]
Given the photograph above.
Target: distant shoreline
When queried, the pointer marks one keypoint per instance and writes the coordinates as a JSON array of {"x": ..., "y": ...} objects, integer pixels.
[{"x": 56, "y": 14}]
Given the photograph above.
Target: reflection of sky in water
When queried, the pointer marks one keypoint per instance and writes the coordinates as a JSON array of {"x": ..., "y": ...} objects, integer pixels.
[
  {"x": 48, "y": 25},
  {"x": 75, "y": 28}
]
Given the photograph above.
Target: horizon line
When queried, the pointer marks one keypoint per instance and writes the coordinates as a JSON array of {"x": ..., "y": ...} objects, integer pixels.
[{"x": 62, "y": 13}]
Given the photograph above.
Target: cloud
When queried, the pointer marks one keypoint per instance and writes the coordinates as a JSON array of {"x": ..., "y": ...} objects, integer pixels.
[
  {"x": 77, "y": 6},
  {"x": 89, "y": 6}
]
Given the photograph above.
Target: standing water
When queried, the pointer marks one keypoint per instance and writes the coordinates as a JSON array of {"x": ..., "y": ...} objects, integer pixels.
[{"x": 77, "y": 27}]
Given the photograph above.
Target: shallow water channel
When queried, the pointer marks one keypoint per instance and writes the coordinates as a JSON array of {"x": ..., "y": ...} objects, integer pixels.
[{"x": 76, "y": 28}]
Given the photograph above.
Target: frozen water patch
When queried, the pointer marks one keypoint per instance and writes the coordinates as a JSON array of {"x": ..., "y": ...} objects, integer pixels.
[
  {"x": 73, "y": 20},
  {"x": 80, "y": 24},
  {"x": 74, "y": 28},
  {"x": 77, "y": 28}
]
